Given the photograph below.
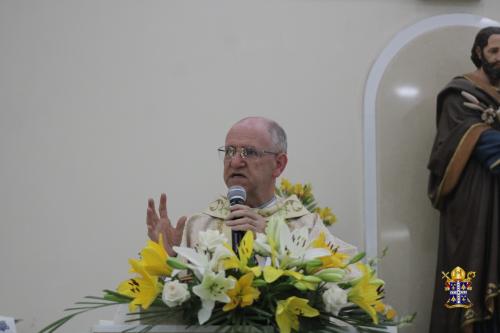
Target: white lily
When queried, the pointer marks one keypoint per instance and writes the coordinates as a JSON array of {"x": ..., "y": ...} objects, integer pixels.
[
  {"x": 220, "y": 253},
  {"x": 295, "y": 246},
  {"x": 200, "y": 262},
  {"x": 209, "y": 240},
  {"x": 272, "y": 232},
  {"x": 261, "y": 246},
  {"x": 212, "y": 288}
]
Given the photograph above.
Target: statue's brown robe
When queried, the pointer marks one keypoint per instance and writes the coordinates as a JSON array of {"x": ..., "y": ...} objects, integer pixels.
[{"x": 467, "y": 195}]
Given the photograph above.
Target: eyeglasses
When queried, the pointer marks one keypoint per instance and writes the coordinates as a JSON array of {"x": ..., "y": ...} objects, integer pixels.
[{"x": 246, "y": 153}]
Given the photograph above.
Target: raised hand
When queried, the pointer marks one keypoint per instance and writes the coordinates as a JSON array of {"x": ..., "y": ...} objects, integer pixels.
[{"x": 157, "y": 225}]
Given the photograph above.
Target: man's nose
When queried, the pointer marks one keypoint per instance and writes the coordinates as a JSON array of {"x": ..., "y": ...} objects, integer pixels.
[{"x": 237, "y": 161}]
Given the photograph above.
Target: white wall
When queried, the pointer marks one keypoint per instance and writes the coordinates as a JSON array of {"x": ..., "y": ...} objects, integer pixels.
[{"x": 105, "y": 103}]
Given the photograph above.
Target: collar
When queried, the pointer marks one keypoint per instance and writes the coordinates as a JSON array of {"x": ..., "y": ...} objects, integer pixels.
[{"x": 268, "y": 204}]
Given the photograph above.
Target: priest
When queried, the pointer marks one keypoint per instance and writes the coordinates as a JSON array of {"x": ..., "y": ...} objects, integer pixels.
[{"x": 254, "y": 156}]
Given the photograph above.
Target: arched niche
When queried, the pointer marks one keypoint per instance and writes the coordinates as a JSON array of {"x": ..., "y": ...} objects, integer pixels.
[{"x": 399, "y": 127}]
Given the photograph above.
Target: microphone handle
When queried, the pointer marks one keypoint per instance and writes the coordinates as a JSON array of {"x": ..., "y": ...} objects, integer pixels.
[{"x": 236, "y": 236}]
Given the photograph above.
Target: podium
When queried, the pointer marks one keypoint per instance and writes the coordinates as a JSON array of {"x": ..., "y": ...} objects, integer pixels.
[
  {"x": 157, "y": 329},
  {"x": 174, "y": 329}
]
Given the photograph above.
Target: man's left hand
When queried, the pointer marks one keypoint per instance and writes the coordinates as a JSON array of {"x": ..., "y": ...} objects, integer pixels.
[{"x": 244, "y": 218}]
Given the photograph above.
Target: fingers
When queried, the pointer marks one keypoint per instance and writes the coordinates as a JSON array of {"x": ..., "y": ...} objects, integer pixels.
[
  {"x": 241, "y": 213},
  {"x": 243, "y": 224},
  {"x": 246, "y": 219},
  {"x": 244, "y": 227},
  {"x": 152, "y": 234},
  {"x": 240, "y": 221},
  {"x": 172, "y": 237},
  {"x": 163, "y": 205},
  {"x": 166, "y": 243},
  {"x": 152, "y": 220},
  {"x": 181, "y": 223},
  {"x": 151, "y": 209},
  {"x": 239, "y": 207},
  {"x": 161, "y": 225}
]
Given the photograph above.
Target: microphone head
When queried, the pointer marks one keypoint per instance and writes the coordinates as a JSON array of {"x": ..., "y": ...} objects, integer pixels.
[{"x": 236, "y": 195}]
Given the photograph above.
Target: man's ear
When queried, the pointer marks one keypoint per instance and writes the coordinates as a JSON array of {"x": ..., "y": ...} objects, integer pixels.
[
  {"x": 478, "y": 52},
  {"x": 281, "y": 161}
]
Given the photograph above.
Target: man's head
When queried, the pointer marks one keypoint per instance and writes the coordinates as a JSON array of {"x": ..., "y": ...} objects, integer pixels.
[
  {"x": 264, "y": 141},
  {"x": 485, "y": 53}
]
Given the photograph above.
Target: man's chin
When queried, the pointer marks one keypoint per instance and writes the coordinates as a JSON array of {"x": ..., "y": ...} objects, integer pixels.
[{"x": 492, "y": 72}]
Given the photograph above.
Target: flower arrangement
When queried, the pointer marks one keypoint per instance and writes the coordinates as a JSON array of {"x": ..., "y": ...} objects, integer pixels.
[
  {"x": 280, "y": 281},
  {"x": 305, "y": 195},
  {"x": 304, "y": 286}
]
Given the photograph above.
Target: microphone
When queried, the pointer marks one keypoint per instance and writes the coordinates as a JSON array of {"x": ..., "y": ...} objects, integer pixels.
[{"x": 236, "y": 195}]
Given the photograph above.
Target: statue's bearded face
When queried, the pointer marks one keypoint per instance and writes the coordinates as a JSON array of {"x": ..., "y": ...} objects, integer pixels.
[{"x": 490, "y": 55}]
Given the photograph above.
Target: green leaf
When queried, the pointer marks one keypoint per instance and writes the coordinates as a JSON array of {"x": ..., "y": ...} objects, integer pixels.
[
  {"x": 261, "y": 312},
  {"x": 356, "y": 258}
]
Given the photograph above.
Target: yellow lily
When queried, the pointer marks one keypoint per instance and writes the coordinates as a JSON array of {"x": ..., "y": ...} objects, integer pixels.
[
  {"x": 143, "y": 289},
  {"x": 365, "y": 293},
  {"x": 286, "y": 186},
  {"x": 386, "y": 310},
  {"x": 326, "y": 215},
  {"x": 245, "y": 250},
  {"x": 272, "y": 273},
  {"x": 154, "y": 259},
  {"x": 243, "y": 294},
  {"x": 298, "y": 190},
  {"x": 287, "y": 313},
  {"x": 335, "y": 260}
]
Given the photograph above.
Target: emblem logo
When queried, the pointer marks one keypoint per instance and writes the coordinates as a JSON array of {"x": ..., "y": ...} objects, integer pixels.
[
  {"x": 3, "y": 326},
  {"x": 457, "y": 287}
]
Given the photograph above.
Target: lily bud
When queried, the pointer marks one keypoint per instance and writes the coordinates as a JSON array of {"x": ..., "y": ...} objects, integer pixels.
[
  {"x": 300, "y": 286},
  {"x": 356, "y": 258},
  {"x": 311, "y": 278},
  {"x": 331, "y": 274},
  {"x": 259, "y": 283},
  {"x": 176, "y": 263},
  {"x": 314, "y": 263}
]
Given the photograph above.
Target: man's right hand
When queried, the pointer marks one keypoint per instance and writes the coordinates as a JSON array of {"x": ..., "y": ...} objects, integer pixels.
[{"x": 161, "y": 225}]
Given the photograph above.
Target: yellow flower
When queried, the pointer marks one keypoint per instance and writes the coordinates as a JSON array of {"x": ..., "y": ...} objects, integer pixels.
[
  {"x": 365, "y": 293},
  {"x": 298, "y": 190},
  {"x": 391, "y": 314},
  {"x": 307, "y": 191},
  {"x": 286, "y": 186},
  {"x": 271, "y": 274},
  {"x": 143, "y": 289},
  {"x": 386, "y": 310},
  {"x": 326, "y": 215},
  {"x": 245, "y": 250},
  {"x": 288, "y": 311},
  {"x": 154, "y": 259},
  {"x": 243, "y": 294},
  {"x": 335, "y": 260}
]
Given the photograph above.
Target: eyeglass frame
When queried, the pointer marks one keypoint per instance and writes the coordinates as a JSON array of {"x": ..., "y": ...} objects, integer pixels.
[{"x": 259, "y": 152}]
